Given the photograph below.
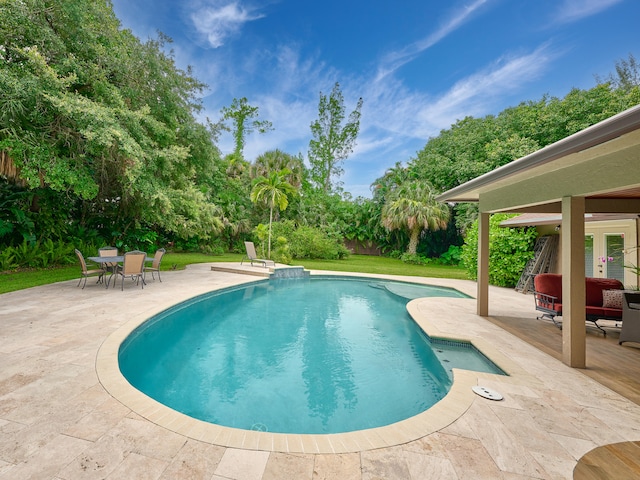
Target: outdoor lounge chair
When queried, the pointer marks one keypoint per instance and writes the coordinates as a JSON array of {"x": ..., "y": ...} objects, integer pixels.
[
  {"x": 155, "y": 265},
  {"x": 630, "y": 331},
  {"x": 88, "y": 273},
  {"x": 133, "y": 266},
  {"x": 253, "y": 257}
]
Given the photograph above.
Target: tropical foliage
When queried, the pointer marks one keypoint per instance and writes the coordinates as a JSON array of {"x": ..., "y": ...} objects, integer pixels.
[
  {"x": 100, "y": 143},
  {"x": 412, "y": 206},
  {"x": 332, "y": 142},
  {"x": 305, "y": 242},
  {"x": 273, "y": 191},
  {"x": 100, "y": 127},
  {"x": 509, "y": 251}
]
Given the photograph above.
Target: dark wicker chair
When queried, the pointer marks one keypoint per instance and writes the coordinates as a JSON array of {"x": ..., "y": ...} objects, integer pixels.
[{"x": 630, "y": 331}]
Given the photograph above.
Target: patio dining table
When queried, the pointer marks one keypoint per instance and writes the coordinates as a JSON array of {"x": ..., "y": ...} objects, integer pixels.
[{"x": 113, "y": 259}]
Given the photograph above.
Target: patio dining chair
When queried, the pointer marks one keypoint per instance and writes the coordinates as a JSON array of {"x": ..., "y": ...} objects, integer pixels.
[
  {"x": 133, "y": 267},
  {"x": 109, "y": 252},
  {"x": 155, "y": 265},
  {"x": 86, "y": 273}
]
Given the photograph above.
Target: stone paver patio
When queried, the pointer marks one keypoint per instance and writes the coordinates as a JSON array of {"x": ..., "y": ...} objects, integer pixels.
[{"x": 57, "y": 420}]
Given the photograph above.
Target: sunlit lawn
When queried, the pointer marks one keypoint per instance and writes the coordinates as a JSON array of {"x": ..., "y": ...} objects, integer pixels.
[{"x": 11, "y": 281}]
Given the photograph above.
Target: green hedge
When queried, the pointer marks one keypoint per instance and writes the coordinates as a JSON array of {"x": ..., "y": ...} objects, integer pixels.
[
  {"x": 509, "y": 251},
  {"x": 290, "y": 241}
]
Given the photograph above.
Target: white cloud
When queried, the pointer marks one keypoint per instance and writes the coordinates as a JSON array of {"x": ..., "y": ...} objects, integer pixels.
[
  {"x": 475, "y": 95},
  {"x": 286, "y": 93},
  {"x": 574, "y": 10},
  {"x": 396, "y": 121},
  {"x": 291, "y": 121},
  {"x": 218, "y": 20},
  {"x": 395, "y": 60}
]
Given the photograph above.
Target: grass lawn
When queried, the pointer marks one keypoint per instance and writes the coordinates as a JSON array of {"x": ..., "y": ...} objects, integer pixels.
[{"x": 11, "y": 281}]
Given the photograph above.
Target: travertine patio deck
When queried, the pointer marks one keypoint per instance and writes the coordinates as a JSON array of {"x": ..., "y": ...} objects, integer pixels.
[{"x": 58, "y": 421}]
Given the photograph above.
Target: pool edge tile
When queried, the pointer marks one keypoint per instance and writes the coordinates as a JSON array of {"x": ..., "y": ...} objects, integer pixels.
[{"x": 442, "y": 414}]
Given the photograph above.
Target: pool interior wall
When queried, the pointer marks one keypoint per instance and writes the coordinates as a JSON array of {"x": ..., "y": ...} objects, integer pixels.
[
  {"x": 454, "y": 404},
  {"x": 319, "y": 356}
]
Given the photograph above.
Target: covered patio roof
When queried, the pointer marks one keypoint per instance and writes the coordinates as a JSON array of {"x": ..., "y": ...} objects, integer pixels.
[
  {"x": 594, "y": 171},
  {"x": 534, "y": 219}
]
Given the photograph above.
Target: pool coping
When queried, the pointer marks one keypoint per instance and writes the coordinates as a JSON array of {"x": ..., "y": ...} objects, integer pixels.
[{"x": 442, "y": 414}]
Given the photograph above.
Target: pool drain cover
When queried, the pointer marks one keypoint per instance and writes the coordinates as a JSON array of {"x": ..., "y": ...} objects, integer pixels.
[
  {"x": 486, "y": 393},
  {"x": 259, "y": 427}
]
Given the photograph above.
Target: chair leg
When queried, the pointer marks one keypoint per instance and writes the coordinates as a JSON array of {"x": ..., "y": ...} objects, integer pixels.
[
  {"x": 604, "y": 332},
  {"x": 550, "y": 317}
]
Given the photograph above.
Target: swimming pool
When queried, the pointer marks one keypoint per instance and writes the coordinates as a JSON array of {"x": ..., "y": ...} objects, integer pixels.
[{"x": 319, "y": 355}]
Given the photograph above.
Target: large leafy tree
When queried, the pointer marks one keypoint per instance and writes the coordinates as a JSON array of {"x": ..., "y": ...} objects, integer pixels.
[
  {"x": 332, "y": 140},
  {"x": 511, "y": 249},
  {"x": 274, "y": 191},
  {"x": 412, "y": 207},
  {"x": 474, "y": 146},
  {"x": 103, "y": 121}
]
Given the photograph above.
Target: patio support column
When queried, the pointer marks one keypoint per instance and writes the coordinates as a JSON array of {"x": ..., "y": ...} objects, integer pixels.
[
  {"x": 482, "y": 302},
  {"x": 573, "y": 285}
]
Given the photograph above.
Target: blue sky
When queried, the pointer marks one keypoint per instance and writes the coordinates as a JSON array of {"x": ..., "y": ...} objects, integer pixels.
[{"x": 419, "y": 65}]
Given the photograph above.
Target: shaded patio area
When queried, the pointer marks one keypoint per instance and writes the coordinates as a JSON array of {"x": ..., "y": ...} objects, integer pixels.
[{"x": 614, "y": 366}]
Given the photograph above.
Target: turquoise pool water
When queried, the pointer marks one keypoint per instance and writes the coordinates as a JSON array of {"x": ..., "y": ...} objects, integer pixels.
[{"x": 315, "y": 355}]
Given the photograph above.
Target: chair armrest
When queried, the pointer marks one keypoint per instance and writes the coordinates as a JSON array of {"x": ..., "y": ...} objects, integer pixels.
[{"x": 545, "y": 300}]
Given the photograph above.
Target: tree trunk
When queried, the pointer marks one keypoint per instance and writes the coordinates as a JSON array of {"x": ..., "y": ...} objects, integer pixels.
[
  {"x": 270, "y": 220},
  {"x": 413, "y": 241}
]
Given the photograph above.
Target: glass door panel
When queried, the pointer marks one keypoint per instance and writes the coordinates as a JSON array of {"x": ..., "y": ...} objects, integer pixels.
[
  {"x": 588, "y": 256},
  {"x": 615, "y": 256}
]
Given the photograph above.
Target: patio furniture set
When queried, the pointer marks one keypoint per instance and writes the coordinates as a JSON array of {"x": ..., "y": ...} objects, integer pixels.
[
  {"x": 130, "y": 265},
  {"x": 605, "y": 299}
]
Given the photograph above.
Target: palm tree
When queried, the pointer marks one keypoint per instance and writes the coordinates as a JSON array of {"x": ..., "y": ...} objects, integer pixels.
[
  {"x": 273, "y": 190},
  {"x": 275, "y": 160},
  {"x": 412, "y": 206},
  {"x": 393, "y": 177}
]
